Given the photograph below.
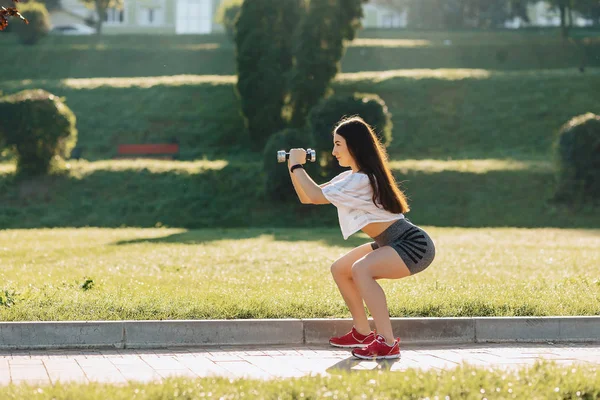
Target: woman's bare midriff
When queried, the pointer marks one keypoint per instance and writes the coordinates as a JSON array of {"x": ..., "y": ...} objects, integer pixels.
[{"x": 376, "y": 228}]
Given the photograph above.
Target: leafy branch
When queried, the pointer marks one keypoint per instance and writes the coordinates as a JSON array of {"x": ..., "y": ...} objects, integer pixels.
[{"x": 9, "y": 12}]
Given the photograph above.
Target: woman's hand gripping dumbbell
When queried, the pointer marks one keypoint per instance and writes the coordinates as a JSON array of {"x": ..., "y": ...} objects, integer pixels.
[{"x": 282, "y": 156}]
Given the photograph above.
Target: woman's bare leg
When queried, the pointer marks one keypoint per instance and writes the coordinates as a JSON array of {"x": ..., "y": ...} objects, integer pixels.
[
  {"x": 381, "y": 263},
  {"x": 341, "y": 270}
]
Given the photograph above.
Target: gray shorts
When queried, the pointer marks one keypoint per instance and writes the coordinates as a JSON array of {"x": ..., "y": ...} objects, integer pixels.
[{"x": 412, "y": 243}]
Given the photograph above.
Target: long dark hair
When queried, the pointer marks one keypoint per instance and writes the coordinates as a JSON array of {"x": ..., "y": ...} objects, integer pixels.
[{"x": 371, "y": 159}]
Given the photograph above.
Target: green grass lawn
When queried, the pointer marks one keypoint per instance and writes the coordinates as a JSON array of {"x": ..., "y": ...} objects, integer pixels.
[
  {"x": 542, "y": 381},
  {"x": 373, "y": 50},
  {"x": 284, "y": 273}
]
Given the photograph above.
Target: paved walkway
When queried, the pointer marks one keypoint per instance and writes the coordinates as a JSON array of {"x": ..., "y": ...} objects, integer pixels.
[{"x": 266, "y": 362}]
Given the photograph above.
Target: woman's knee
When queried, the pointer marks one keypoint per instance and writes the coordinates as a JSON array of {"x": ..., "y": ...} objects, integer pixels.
[
  {"x": 340, "y": 269},
  {"x": 360, "y": 269}
]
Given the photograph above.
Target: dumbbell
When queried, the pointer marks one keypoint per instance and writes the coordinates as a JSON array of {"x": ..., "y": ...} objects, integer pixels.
[{"x": 282, "y": 156}]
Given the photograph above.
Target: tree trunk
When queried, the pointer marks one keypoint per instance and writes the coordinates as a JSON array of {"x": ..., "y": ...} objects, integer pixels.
[
  {"x": 101, "y": 11},
  {"x": 563, "y": 20}
]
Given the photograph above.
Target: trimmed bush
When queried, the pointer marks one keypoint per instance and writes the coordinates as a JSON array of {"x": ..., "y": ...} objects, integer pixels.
[
  {"x": 39, "y": 23},
  {"x": 263, "y": 40},
  {"x": 328, "y": 112},
  {"x": 227, "y": 15},
  {"x": 39, "y": 128},
  {"x": 277, "y": 182},
  {"x": 577, "y": 155}
]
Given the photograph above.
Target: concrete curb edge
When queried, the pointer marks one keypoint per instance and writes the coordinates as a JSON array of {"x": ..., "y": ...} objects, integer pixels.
[{"x": 174, "y": 333}]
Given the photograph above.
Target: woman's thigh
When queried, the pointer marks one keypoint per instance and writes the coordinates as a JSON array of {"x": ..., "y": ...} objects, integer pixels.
[
  {"x": 383, "y": 263},
  {"x": 343, "y": 265}
]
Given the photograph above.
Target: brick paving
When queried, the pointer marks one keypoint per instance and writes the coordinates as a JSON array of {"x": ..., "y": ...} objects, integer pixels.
[{"x": 266, "y": 362}]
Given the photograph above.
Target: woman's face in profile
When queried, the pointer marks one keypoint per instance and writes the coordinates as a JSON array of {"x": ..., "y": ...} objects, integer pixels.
[{"x": 340, "y": 151}]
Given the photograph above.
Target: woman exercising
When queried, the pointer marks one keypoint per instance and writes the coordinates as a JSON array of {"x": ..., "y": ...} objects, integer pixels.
[{"x": 367, "y": 199}]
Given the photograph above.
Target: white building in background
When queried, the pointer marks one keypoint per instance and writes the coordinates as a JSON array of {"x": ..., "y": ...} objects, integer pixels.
[
  {"x": 380, "y": 16},
  {"x": 147, "y": 16}
]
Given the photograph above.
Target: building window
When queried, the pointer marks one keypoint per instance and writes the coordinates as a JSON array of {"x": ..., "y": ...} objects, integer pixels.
[
  {"x": 114, "y": 16},
  {"x": 151, "y": 14},
  {"x": 194, "y": 16}
]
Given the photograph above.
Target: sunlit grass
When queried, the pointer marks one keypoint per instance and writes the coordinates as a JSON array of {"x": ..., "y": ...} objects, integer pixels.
[
  {"x": 447, "y": 74},
  {"x": 366, "y": 42},
  {"x": 198, "y": 46},
  {"x": 279, "y": 273},
  {"x": 7, "y": 168},
  {"x": 105, "y": 46},
  {"x": 442, "y": 74},
  {"x": 544, "y": 380},
  {"x": 450, "y": 74},
  {"x": 470, "y": 166},
  {"x": 129, "y": 82},
  {"x": 89, "y": 46},
  {"x": 147, "y": 82},
  {"x": 83, "y": 167}
]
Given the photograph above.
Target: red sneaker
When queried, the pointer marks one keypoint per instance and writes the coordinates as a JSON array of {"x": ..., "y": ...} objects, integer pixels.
[
  {"x": 352, "y": 339},
  {"x": 378, "y": 349}
]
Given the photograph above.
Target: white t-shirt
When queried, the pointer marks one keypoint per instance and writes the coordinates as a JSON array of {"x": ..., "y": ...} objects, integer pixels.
[{"x": 352, "y": 194}]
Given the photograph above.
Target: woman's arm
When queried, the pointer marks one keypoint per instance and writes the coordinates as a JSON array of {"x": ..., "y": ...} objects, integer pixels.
[
  {"x": 311, "y": 190},
  {"x": 308, "y": 191},
  {"x": 301, "y": 195}
]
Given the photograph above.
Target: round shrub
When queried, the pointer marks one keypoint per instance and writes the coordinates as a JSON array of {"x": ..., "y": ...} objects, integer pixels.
[
  {"x": 328, "y": 112},
  {"x": 39, "y": 23},
  {"x": 39, "y": 128},
  {"x": 277, "y": 183},
  {"x": 227, "y": 15},
  {"x": 577, "y": 155}
]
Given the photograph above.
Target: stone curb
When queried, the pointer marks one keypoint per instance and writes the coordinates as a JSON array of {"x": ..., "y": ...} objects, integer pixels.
[{"x": 161, "y": 334}]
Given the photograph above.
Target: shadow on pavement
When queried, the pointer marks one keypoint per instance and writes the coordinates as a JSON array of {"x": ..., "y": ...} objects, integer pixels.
[{"x": 350, "y": 365}]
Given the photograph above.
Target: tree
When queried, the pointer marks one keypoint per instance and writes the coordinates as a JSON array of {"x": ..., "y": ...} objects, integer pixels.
[
  {"x": 319, "y": 49},
  {"x": 263, "y": 38},
  {"x": 588, "y": 9},
  {"x": 51, "y": 5},
  {"x": 518, "y": 8},
  {"x": 39, "y": 23},
  {"x": 285, "y": 66},
  {"x": 456, "y": 14},
  {"x": 566, "y": 8},
  {"x": 227, "y": 14},
  {"x": 485, "y": 14},
  {"x": 101, "y": 6}
]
